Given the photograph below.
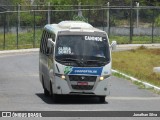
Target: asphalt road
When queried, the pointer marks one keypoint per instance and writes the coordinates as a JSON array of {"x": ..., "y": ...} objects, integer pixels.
[{"x": 20, "y": 90}]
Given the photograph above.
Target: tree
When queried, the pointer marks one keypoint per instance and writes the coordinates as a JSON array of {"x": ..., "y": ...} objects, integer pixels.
[
  {"x": 21, "y": 2},
  {"x": 71, "y": 2}
]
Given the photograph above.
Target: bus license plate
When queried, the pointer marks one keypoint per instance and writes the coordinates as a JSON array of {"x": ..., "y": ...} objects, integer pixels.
[{"x": 82, "y": 83}]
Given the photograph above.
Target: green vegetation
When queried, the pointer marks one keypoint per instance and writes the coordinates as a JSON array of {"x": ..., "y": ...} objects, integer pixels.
[
  {"x": 25, "y": 40},
  {"x": 79, "y": 18},
  {"x": 27, "y": 18},
  {"x": 71, "y": 2},
  {"x": 97, "y": 2},
  {"x": 135, "y": 39},
  {"x": 157, "y": 21},
  {"x": 139, "y": 64}
]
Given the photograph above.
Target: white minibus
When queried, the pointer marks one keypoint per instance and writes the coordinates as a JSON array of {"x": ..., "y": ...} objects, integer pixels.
[{"x": 75, "y": 59}]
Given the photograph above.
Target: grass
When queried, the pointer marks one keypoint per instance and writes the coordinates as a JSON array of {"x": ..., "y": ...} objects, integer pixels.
[
  {"x": 139, "y": 64},
  {"x": 135, "y": 39},
  {"x": 25, "y": 40}
]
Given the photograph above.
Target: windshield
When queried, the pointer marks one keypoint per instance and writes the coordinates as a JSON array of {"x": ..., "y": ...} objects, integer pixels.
[{"x": 82, "y": 50}]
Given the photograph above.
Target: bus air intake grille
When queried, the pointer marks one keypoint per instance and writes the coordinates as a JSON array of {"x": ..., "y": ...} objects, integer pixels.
[
  {"x": 82, "y": 78},
  {"x": 82, "y": 87}
]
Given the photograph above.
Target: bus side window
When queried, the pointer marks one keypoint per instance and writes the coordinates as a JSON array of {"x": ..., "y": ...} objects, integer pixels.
[
  {"x": 42, "y": 42},
  {"x": 51, "y": 52},
  {"x": 45, "y": 42},
  {"x": 48, "y": 35},
  {"x": 53, "y": 37}
]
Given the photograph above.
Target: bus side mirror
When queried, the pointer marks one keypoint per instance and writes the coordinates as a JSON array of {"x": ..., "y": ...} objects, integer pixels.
[
  {"x": 113, "y": 45},
  {"x": 50, "y": 46}
]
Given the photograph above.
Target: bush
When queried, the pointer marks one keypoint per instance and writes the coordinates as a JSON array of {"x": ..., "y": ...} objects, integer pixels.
[
  {"x": 28, "y": 18},
  {"x": 80, "y": 18},
  {"x": 157, "y": 21}
]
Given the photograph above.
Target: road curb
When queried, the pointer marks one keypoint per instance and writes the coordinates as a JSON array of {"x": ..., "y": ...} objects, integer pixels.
[
  {"x": 123, "y": 47},
  {"x": 138, "y": 45},
  {"x": 147, "y": 85},
  {"x": 19, "y": 51}
]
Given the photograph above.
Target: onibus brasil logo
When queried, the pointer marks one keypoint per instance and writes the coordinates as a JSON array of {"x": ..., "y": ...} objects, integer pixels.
[{"x": 67, "y": 70}]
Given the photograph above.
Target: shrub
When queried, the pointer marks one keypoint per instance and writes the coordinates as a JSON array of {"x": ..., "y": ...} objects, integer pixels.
[
  {"x": 157, "y": 21},
  {"x": 80, "y": 18}
]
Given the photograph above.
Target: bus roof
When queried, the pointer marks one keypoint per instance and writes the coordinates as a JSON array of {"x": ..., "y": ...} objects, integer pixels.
[{"x": 72, "y": 26}]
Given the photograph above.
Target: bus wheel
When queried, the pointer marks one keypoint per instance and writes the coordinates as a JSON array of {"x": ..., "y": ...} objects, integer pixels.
[
  {"x": 46, "y": 92},
  {"x": 102, "y": 99}
]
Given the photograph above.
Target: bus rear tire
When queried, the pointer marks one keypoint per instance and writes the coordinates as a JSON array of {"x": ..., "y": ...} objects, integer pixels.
[{"x": 102, "y": 99}]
